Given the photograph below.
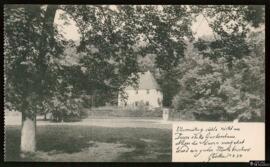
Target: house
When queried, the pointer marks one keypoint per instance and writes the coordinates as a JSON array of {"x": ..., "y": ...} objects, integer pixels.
[{"x": 148, "y": 92}]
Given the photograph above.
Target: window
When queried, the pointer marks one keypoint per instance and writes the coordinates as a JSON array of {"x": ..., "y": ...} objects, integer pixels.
[
  {"x": 136, "y": 103},
  {"x": 147, "y": 103},
  {"x": 147, "y": 91}
]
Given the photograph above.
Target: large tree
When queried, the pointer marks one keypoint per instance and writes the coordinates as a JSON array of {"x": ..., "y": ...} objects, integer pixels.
[
  {"x": 30, "y": 42},
  {"x": 165, "y": 30}
]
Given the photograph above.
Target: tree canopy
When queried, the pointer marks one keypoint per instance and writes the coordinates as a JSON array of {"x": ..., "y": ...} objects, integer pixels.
[
  {"x": 224, "y": 78},
  {"x": 114, "y": 40}
]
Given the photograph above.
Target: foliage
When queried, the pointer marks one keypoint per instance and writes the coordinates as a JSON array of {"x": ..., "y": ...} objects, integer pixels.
[
  {"x": 111, "y": 41},
  {"x": 165, "y": 35},
  {"x": 30, "y": 45},
  {"x": 66, "y": 110},
  {"x": 106, "y": 50},
  {"x": 225, "y": 77},
  {"x": 230, "y": 25},
  {"x": 183, "y": 102}
]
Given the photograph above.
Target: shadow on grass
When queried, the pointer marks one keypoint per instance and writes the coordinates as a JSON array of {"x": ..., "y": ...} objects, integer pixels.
[{"x": 150, "y": 145}]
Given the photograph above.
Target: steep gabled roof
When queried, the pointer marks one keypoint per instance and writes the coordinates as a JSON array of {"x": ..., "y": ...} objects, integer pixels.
[{"x": 146, "y": 81}]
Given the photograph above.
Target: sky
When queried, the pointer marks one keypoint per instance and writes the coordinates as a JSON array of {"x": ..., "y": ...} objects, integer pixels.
[
  {"x": 68, "y": 31},
  {"x": 199, "y": 27}
]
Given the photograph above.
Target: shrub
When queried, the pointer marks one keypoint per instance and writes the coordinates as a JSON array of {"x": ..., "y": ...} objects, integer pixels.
[
  {"x": 68, "y": 111},
  {"x": 179, "y": 115},
  {"x": 183, "y": 105}
]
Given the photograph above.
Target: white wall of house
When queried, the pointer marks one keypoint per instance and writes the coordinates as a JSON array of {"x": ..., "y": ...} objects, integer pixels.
[{"x": 153, "y": 97}]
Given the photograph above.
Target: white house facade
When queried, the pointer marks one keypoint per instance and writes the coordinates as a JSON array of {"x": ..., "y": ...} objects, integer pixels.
[{"x": 148, "y": 92}]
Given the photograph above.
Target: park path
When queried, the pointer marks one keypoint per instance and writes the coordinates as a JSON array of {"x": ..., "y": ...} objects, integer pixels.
[
  {"x": 117, "y": 123},
  {"x": 103, "y": 122}
]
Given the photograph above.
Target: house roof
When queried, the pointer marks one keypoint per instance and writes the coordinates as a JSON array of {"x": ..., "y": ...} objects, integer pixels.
[{"x": 146, "y": 81}]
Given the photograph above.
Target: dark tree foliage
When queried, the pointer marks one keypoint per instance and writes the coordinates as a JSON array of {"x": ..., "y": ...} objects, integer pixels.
[
  {"x": 115, "y": 39},
  {"x": 226, "y": 76},
  {"x": 30, "y": 44},
  {"x": 165, "y": 30},
  {"x": 107, "y": 50}
]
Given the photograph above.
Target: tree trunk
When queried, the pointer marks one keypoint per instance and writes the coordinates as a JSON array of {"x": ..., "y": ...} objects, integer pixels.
[
  {"x": 92, "y": 98},
  {"x": 45, "y": 117},
  {"x": 28, "y": 133}
]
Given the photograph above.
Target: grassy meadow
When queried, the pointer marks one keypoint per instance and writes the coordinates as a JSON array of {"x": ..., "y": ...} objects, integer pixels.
[{"x": 92, "y": 144}]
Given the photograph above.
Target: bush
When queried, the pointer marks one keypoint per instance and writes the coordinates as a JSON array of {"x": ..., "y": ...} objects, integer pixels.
[
  {"x": 183, "y": 106},
  {"x": 178, "y": 115},
  {"x": 69, "y": 111},
  {"x": 83, "y": 113}
]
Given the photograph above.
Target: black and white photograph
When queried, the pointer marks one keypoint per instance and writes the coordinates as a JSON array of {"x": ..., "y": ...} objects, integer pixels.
[{"x": 134, "y": 83}]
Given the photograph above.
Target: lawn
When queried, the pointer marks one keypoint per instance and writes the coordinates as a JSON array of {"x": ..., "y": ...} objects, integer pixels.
[{"x": 92, "y": 143}]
